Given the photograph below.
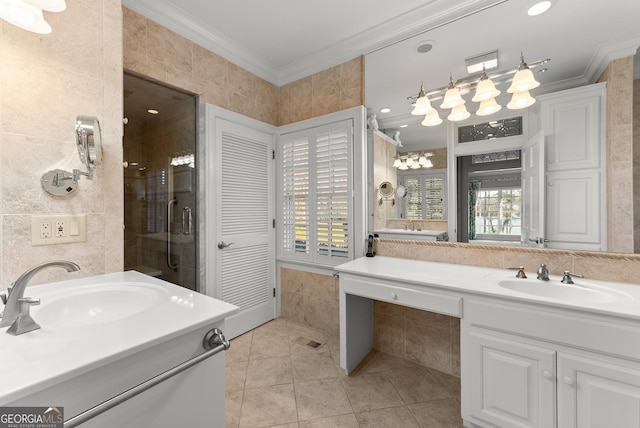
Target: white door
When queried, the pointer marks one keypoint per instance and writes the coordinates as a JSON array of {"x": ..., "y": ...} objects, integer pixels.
[
  {"x": 244, "y": 248},
  {"x": 533, "y": 191}
]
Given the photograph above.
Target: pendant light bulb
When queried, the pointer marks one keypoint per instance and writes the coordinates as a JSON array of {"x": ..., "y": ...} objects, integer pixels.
[
  {"x": 521, "y": 100},
  {"x": 422, "y": 105},
  {"x": 459, "y": 113},
  {"x": 485, "y": 89},
  {"x": 488, "y": 107},
  {"x": 432, "y": 118},
  {"x": 523, "y": 80},
  {"x": 452, "y": 97}
]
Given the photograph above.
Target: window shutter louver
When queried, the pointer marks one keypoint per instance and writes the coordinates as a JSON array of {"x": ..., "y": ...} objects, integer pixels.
[{"x": 316, "y": 205}]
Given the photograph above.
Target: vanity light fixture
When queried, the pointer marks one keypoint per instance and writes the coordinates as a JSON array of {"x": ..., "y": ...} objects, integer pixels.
[
  {"x": 413, "y": 161},
  {"x": 484, "y": 84},
  {"x": 27, "y": 14}
]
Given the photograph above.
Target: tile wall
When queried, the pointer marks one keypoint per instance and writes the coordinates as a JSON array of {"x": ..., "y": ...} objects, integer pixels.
[
  {"x": 620, "y": 199},
  {"x": 636, "y": 161},
  {"x": 46, "y": 81}
]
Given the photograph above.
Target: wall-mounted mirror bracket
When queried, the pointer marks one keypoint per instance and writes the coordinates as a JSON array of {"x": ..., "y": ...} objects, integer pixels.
[{"x": 89, "y": 143}]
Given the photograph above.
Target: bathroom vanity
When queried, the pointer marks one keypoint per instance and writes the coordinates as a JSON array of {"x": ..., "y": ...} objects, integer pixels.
[
  {"x": 533, "y": 353},
  {"x": 104, "y": 335}
]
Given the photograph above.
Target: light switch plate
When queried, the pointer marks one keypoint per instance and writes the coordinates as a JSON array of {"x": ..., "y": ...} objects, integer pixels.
[{"x": 58, "y": 229}]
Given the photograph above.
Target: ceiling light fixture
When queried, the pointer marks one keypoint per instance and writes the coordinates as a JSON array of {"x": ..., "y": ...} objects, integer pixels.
[
  {"x": 539, "y": 8},
  {"x": 484, "y": 84},
  {"x": 385, "y": 110},
  {"x": 405, "y": 161},
  {"x": 27, "y": 14}
]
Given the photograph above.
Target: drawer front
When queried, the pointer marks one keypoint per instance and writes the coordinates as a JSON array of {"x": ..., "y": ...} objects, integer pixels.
[
  {"x": 426, "y": 299},
  {"x": 592, "y": 332}
]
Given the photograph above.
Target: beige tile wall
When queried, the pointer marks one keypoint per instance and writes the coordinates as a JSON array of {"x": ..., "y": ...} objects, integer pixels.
[
  {"x": 328, "y": 91},
  {"x": 383, "y": 156},
  {"x": 157, "y": 52},
  {"x": 619, "y": 78},
  {"x": 45, "y": 82}
]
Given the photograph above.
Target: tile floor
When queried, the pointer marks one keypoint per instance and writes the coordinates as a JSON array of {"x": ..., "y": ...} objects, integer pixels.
[{"x": 275, "y": 380}]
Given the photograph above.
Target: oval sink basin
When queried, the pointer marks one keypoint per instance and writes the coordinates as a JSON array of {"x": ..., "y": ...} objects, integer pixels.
[
  {"x": 97, "y": 304},
  {"x": 571, "y": 292}
]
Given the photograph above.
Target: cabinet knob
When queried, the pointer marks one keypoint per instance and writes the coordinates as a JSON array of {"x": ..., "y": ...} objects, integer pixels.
[
  {"x": 567, "y": 380},
  {"x": 547, "y": 374},
  {"x": 394, "y": 296}
]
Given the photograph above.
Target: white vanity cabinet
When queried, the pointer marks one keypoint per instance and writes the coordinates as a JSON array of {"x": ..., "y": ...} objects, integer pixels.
[
  {"x": 548, "y": 368},
  {"x": 573, "y": 122}
]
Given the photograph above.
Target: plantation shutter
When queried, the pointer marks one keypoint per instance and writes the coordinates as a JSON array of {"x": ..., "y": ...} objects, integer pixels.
[
  {"x": 413, "y": 200},
  {"x": 316, "y": 200}
]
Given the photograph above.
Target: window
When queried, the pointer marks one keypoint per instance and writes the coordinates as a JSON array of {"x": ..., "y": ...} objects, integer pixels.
[
  {"x": 425, "y": 198},
  {"x": 316, "y": 202},
  {"x": 498, "y": 213}
]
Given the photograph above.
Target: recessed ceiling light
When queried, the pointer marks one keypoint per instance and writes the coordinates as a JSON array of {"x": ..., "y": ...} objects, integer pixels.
[
  {"x": 539, "y": 8},
  {"x": 152, "y": 111},
  {"x": 385, "y": 110},
  {"x": 404, "y": 126}
]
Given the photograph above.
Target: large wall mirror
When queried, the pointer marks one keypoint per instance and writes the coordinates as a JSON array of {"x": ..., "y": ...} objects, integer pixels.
[{"x": 580, "y": 40}]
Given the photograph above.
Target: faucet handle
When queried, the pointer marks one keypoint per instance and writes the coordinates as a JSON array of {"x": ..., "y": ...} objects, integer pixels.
[
  {"x": 567, "y": 277},
  {"x": 543, "y": 273},
  {"x": 520, "y": 273}
]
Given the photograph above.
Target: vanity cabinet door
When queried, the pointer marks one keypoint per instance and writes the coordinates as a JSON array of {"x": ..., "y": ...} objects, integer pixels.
[
  {"x": 512, "y": 383},
  {"x": 596, "y": 394}
]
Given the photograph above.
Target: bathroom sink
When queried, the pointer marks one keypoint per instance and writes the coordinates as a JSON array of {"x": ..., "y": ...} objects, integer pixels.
[
  {"x": 558, "y": 290},
  {"x": 96, "y": 304}
]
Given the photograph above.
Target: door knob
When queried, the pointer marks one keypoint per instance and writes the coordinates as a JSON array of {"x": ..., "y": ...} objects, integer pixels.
[{"x": 222, "y": 244}]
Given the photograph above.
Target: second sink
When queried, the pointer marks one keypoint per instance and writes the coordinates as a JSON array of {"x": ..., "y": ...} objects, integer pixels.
[{"x": 96, "y": 304}]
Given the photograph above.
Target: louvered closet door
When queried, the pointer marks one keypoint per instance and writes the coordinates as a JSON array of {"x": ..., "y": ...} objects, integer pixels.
[{"x": 245, "y": 264}]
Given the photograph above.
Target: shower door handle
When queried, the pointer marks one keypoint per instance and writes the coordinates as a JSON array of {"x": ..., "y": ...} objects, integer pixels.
[
  {"x": 186, "y": 221},
  {"x": 222, "y": 244},
  {"x": 169, "y": 205}
]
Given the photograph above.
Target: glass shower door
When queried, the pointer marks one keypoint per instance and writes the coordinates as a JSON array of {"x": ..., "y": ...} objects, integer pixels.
[{"x": 160, "y": 181}]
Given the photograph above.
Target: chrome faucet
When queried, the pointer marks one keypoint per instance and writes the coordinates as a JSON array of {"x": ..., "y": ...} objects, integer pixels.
[
  {"x": 543, "y": 273},
  {"x": 15, "y": 294}
]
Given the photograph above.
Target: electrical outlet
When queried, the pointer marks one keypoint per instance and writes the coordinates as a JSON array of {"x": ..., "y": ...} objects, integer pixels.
[
  {"x": 60, "y": 230},
  {"x": 45, "y": 229},
  {"x": 51, "y": 229}
]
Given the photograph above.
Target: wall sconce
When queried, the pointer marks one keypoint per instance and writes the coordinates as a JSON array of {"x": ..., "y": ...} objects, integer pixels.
[
  {"x": 27, "y": 14},
  {"x": 89, "y": 144}
]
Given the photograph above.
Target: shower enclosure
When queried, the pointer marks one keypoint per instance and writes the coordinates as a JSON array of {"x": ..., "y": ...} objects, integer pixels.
[{"x": 160, "y": 179}]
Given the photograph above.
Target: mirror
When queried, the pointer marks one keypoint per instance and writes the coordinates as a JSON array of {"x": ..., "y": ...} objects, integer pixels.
[
  {"x": 396, "y": 72},
  {"x": 385, "y": 189}
]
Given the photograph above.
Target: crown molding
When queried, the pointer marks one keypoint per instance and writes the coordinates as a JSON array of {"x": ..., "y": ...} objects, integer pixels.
[
  {"x": 606, "y": 53},
  {"x": 422, "y": 19}
]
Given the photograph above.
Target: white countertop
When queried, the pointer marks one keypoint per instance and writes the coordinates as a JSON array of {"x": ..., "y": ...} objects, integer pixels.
[
  {"x": 484, "y": 281},
  {"x": 412, "y": 232},
  {"x": 52, "y": 354}
]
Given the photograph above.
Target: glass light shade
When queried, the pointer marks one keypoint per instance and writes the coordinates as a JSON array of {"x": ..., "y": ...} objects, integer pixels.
[
  {"x": 396, "y": 163},
  {"x": 459, "y": 113},
  {"x": 422, "y": 160},
  {"x": 48, "y": 5},
  {"x": 488, "y": 107},
  {"x": 415, "y": 165},
  {"x": 485, "y": 90},
  {"x": 403, "y": 166},
  {"x": 24, "y": 15},
  {"x": 451, "y": 98},
  {"x": 409, "y": 162},
  {"x": 523, "y": 81},
  {"x": 423, "y": 106},
  {"x": 432, "y": 118},
  {"x": 428, "y": 164},
  {"x": 521, "y": 100}
]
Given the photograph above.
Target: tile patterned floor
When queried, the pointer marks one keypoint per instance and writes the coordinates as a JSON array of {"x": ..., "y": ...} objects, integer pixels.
[{"x": 275, "y": 380}]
